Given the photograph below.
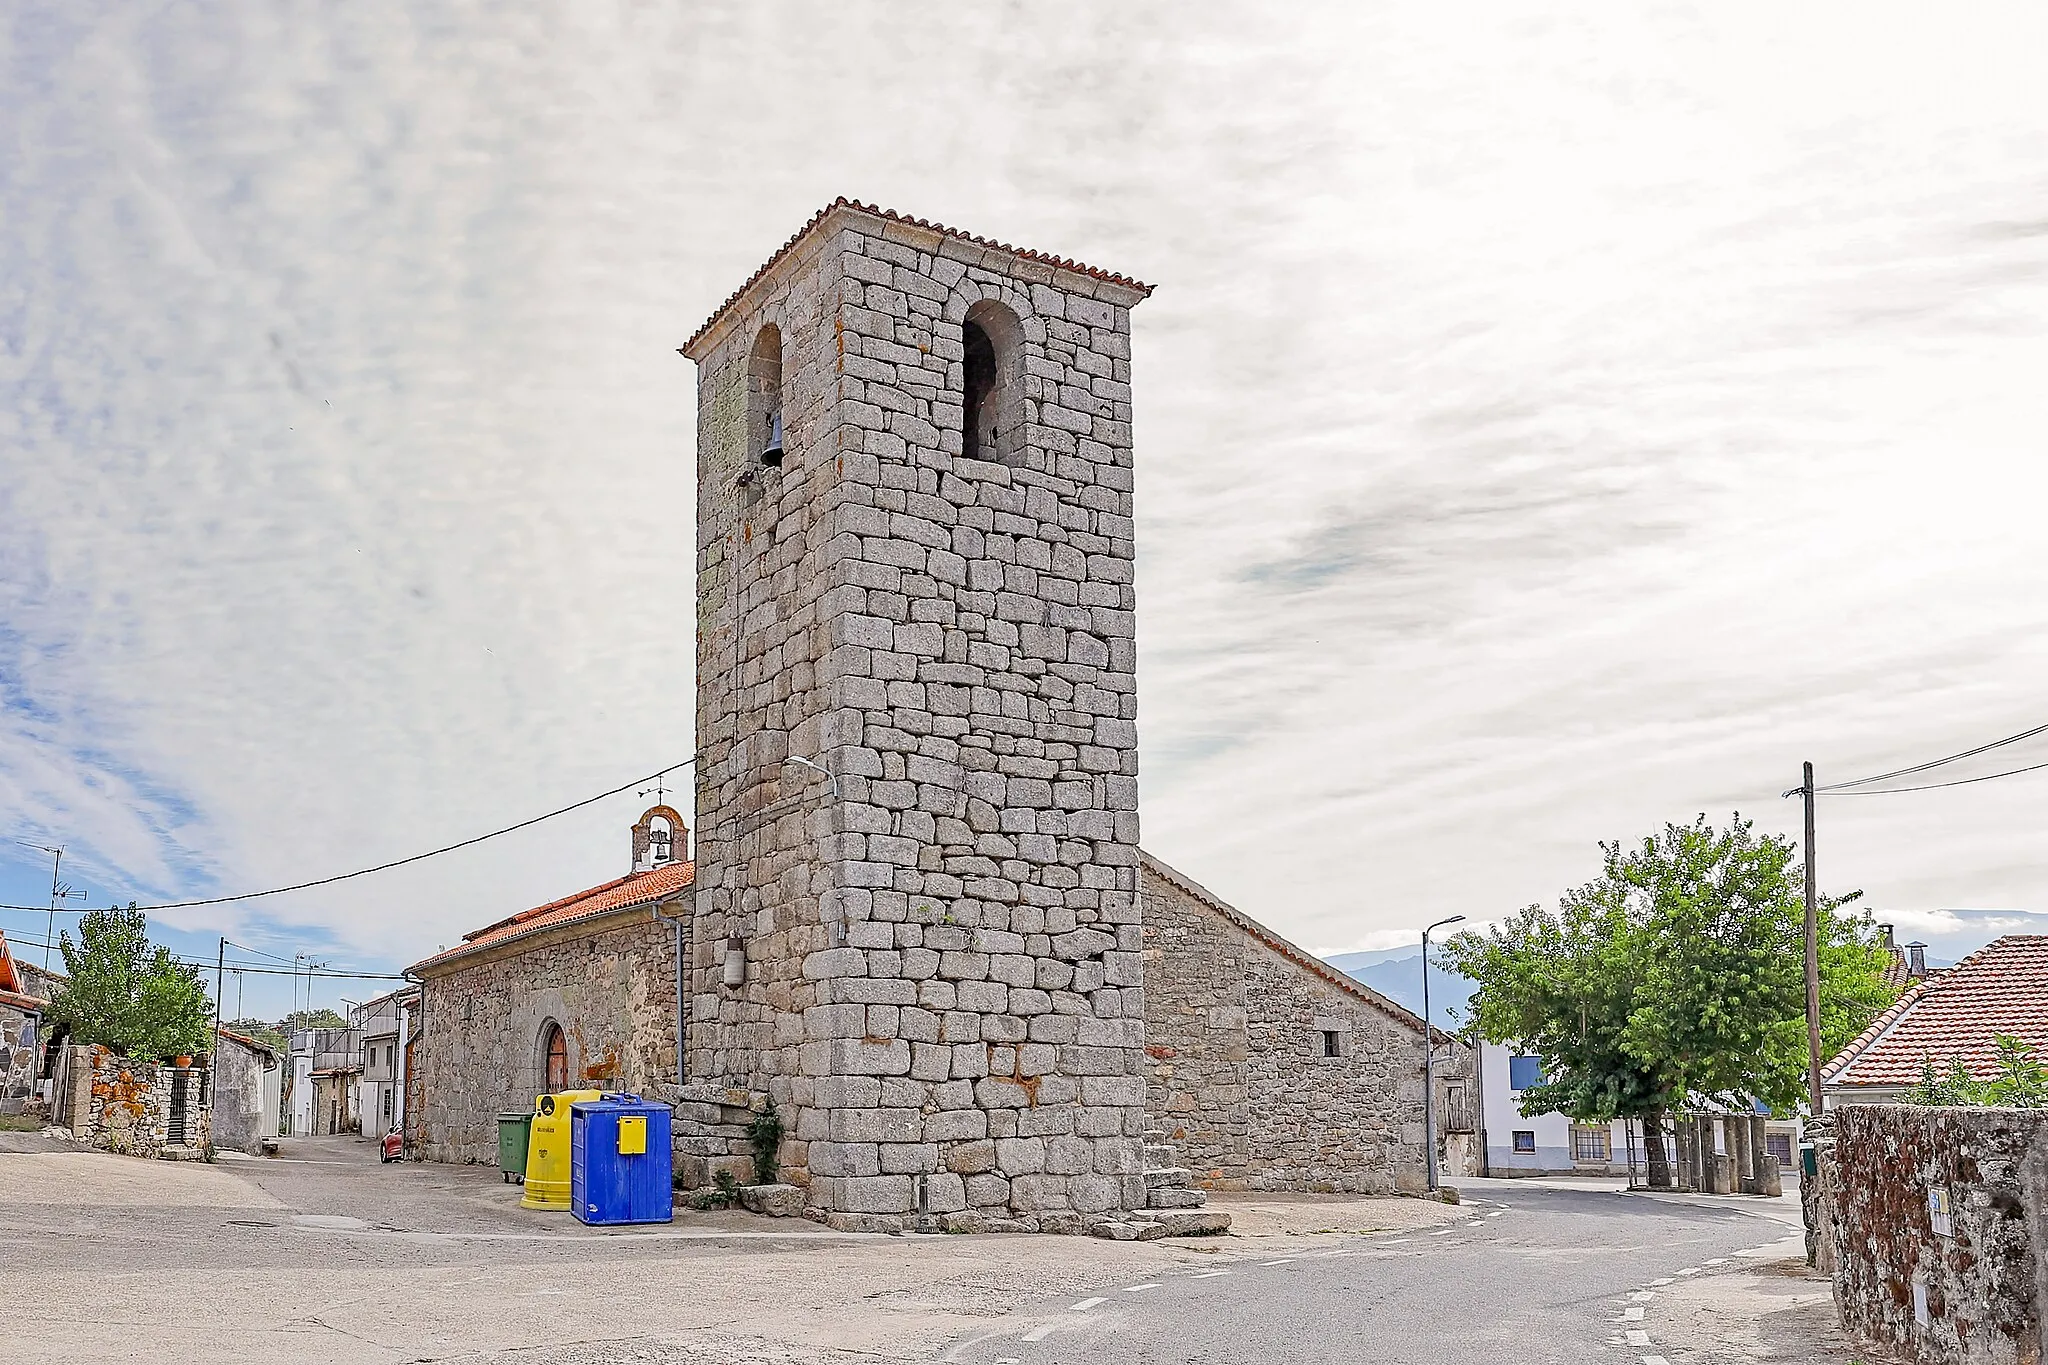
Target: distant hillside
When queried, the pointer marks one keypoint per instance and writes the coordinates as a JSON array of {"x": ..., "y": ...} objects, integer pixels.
[{"x": 1397, "y": 974}]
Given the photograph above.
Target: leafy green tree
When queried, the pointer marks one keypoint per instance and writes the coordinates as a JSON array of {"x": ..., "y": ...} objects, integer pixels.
[
  {"x": 127, "y": 994},
  {"x": 1675, "y": 975},
  {"x": 1722, "y": 961},
  {"x": 320, "y": 1018}
]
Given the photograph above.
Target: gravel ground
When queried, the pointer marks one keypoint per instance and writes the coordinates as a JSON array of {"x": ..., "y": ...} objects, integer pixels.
[{"x": 1774, "y": 1310}]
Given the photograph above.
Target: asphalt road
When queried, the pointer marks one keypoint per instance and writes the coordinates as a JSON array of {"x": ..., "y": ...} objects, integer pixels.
[
  {"x": 326, "y": 1258},
  {"x": 1538, "y": 1273}
]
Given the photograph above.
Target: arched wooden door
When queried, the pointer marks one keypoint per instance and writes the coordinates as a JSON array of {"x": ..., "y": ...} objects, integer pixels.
[{"x": 556, "y": 1049}]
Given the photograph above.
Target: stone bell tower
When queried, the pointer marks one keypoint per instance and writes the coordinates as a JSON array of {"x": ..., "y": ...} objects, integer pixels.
[{"x": 914, "y": 574}]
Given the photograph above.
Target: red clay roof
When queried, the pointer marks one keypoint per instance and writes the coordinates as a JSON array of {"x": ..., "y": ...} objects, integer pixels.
[
  {"x": 22, "y": 1002},
  {"x": 635, "y": 888},
  {"x": 2002, "y": 988},
  {"x": 842, "y": 202}
]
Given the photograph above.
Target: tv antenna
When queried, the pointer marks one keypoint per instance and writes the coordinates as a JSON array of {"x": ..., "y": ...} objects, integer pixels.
[{"x": 59, "y": 891}]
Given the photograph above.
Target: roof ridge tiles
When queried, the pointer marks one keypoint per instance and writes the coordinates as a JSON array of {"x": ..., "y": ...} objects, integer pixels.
[{"x": 891, "y": 215}]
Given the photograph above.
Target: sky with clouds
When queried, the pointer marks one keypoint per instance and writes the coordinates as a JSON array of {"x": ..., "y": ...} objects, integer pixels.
[{"x": 1548, "y": 425}]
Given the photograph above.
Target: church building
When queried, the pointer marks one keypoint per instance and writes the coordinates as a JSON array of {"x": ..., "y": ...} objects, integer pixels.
[{"x": 916, "y": 919}]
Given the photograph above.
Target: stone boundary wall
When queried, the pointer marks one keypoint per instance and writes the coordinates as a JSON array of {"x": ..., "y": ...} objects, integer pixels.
[
  {"x": 1237, "y": 1035},
  {"x": 129, "y": 1110},
  {"x": 1971, "y": 1292}
]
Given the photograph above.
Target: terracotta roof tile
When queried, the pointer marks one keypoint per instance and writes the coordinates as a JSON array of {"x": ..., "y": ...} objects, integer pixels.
[
  {"x": 2002, "y": 988},
  {"x": 635, "y": 888},
  {"x": 842, "y": 202},
  {"x": 23, "y": 1002}
]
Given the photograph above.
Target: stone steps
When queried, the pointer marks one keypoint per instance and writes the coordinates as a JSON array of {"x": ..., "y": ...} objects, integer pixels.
[
  {"x": 1171, "y": 1198},
  {"x": 1149, "y": 1225}
]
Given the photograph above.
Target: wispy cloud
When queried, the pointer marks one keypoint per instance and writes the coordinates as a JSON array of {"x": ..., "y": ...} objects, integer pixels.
[{"x": 1549, "y": 425}]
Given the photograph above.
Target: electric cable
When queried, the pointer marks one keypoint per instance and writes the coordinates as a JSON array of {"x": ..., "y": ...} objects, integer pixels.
[
  {"x": 1923, "y": 767},
  {"x": 250, "y": 967},
  {"x": 384, "y": 867},
  {"x": 1932, "y": 786}
]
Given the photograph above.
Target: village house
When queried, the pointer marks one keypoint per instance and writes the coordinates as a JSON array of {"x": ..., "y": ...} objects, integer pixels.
[
  {"x": 247, "y": 1094},
  {"x": 918, "y": 923},
  {"x": 21, "y": 1035},
  {"x": 1953, "y": 1015}
]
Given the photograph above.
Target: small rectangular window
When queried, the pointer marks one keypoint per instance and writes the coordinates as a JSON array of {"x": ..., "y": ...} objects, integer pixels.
[
  {"x": 1591, "y": 1144},
  {"x": 1779, "y": 1145},
  {"x": 1525, "y": 1140},
  {"x": 1333, "y": 1043},
  {"x": 1524, "y": 1072}
]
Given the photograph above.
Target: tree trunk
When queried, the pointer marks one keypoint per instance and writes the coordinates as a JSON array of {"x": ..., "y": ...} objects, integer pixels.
[{"x": 1654, "y": 1157}]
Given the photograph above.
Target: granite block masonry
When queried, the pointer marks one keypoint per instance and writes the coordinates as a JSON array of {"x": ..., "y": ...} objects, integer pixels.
[
  {"x": 1937, "y": 1230},
  {"x": 1269, "y": 1069},
  {"x": 914, "y": 571}
]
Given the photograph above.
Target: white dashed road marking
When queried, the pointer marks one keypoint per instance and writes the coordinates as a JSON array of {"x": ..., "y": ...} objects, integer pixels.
[
  {"x": 1210, "y": 1274},
  {"x": 1086, "y": 1304},
  {"x": 1634, "y": 1314},
  {"x": 1639, "y": 1338},
  {"x": 1040, "y": 1333},
  {"x": 1138, "y": 1288},
  {"x": 1284, "y": 1260},
  {"x": 1660, "y": 1283}
]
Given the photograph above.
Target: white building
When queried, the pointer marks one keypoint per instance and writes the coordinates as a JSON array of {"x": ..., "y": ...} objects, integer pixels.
[
  {"x": 1552, "y": 1144},
  {"x": 380, "y": 1098},
  {"x": 1546, "y": 1144}
]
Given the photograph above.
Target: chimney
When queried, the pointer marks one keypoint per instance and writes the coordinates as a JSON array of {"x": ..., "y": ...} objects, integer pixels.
[
  {"x": 1884, "y": 937},
  {"x": 1916, "y": 962}
]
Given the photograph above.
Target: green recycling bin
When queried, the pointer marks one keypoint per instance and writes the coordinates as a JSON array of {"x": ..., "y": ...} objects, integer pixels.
[{"x": 513, "y": 1130}]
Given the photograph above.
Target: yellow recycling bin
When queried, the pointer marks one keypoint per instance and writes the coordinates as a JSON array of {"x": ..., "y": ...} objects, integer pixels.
[{"x": 547, "y": 1151}]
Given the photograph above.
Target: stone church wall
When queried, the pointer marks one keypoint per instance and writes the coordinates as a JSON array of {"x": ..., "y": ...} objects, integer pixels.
[
  {"x": 612, "y": 991},
  {"x": 1238, "y": 1076}
]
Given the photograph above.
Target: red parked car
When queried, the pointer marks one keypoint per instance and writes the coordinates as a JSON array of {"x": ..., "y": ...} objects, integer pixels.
[{"x": 391, "y": 1147}]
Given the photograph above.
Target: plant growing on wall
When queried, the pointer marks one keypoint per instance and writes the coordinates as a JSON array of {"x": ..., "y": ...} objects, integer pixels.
[
  {"x": 764, "y": 1135},
  {"x": 2019, "y": 1080},
  {"x": 127, "y": 994}
]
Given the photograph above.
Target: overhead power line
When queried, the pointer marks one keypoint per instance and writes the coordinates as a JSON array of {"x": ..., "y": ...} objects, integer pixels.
[
  {"x": 1841, "y": 788},
  {"x": 256, "y": 969},
  {"x": 1930, "y": 786},
  {"x": 396, "y": 862}
]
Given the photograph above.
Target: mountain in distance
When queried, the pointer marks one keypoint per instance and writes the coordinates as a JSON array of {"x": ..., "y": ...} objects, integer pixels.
[{"x": 1397, "y": 974}]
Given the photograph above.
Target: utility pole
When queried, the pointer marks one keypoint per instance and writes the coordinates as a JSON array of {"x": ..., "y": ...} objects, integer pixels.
[
  {"x": 220, "y": 977},
  {"x": 1812, "y": 957}
]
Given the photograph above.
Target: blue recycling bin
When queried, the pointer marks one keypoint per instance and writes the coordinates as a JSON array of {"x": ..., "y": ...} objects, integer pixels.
[{"x": 619, "y": 1161}]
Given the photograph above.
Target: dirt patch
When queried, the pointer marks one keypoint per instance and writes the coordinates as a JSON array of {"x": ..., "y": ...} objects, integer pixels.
[
  {"x": 1777, "y": 1310},
  {"x": 77, "y": 1179},
  {"x": 1306, "y": 1215}
]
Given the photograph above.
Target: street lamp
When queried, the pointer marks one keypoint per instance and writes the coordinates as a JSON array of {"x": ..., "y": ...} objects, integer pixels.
[{"x": 1429, "y": 1058}]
